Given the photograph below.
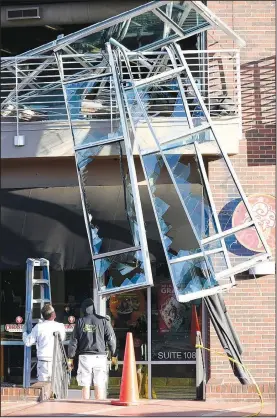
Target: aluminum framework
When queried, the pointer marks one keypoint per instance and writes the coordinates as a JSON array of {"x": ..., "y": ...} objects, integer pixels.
[
  {"x": 112, "y": 92},
  {"x": 182, "y": 294}
]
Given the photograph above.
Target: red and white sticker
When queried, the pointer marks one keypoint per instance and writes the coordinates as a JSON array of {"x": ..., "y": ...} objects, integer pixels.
[
  {"x": 71, "y": 319},
  {"x": 19, "y": 319}
]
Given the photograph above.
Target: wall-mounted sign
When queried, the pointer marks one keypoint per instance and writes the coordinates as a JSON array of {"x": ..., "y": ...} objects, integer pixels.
[
  {"x": 13, "y": 327},
  {"x": 18, "y": 327},
  {"x": 263, "y": 207}
]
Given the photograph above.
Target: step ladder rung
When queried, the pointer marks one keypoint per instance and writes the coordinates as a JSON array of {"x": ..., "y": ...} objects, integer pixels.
[
  {"x": 40, "y": 281},
  {"x": 41, "y": 301},
  {"x": 43, "y": 279}
]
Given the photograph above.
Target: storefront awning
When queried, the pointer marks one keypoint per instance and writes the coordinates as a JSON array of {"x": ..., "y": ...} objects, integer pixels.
[{"x": 48, "y": 222}]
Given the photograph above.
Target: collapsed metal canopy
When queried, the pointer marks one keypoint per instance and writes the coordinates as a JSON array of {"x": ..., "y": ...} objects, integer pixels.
[{"x": 124, "y": 73}]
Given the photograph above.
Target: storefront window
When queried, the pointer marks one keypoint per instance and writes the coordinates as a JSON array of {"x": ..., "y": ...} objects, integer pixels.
[
  {"x": 173, "y": 381},
  {"x": 128, "y": 313},
  {"x": 172, "y": 333}
]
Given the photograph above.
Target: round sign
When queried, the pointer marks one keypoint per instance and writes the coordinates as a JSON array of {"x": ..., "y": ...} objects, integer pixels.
[
  {"x": 71, "y": 319},
  {"x": 263, "y": 207},
  {"x": 19, "y": 320}
]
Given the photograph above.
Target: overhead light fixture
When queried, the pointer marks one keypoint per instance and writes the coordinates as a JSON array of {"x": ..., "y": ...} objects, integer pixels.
[
  {"x": 52, "y": 27},
  {"x": 5, "y": 50}
]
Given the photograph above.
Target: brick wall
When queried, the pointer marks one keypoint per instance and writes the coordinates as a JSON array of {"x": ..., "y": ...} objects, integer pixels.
[{"x": 251, "y": 304}]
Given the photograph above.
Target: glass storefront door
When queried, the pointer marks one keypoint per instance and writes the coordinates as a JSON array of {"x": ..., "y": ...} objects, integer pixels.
[{"x": 163, "y": 340}]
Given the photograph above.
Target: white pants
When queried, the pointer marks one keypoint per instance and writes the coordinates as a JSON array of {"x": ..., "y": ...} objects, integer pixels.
[
  {"x": 92, "y": 367},
  {"x": 44, "y": 370}
]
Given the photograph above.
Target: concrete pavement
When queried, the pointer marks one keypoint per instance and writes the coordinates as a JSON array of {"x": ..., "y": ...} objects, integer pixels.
[{"x": 152, "y": 408}]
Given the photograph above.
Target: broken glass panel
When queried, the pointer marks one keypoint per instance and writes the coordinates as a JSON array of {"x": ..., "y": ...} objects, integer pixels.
[
  {"x": 107, "y": 233},
  {"x": 164, "y": 107},
  {"x": 134, "y": 33},
  {"x": 177, "y": 234},
  {"x": 192, "y": 189},
  {"x": 192, "y": 276},
  {"x": 241, "y": 247},
  {"x": 93, "y": 111},
  {"x": 120, "y": 272}
]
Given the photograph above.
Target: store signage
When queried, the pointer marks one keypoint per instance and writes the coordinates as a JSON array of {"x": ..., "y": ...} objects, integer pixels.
[
  {"x": 18, "y": 327},
  {"x": 13, "y": 327},
  {"x": 176, "y": 355},
  {"x": 263, "y": 207},
  {"x": 170, "y": 310}
]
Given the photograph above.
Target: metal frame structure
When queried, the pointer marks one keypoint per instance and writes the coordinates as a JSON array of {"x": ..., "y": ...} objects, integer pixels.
[
  {"x": 176, "y": 21},
  {"x": 220, "y": 235}
]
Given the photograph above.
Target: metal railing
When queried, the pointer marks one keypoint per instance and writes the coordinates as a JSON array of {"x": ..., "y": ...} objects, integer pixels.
[
  {"x": 31, "y": 89},
  {"x": 60, "y": 371}
]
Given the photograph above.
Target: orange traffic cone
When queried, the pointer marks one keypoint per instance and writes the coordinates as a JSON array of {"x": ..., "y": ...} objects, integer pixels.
[{"x": 129, "y": 384}]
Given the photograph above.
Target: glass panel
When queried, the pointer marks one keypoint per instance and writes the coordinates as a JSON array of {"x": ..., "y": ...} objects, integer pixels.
[
  {"x": 93, "y": 111},
  {"x": 192, "y": 276},
  {"x": 164, "y": 107},
  {"x": 177, "y": 233},
  {"x": 191, "y": 186},
  {"x": 217, "y": 260},
  {"x": 227, "y": 199},
  {"x": 174, "y": 381},
  {"x": 128, "y": 313},
  {"x": 171, "y": 323},
  {"x": 241, "y": 246},
  {"x": 186, "y": 17},
  {"x": 196, "y": 111},
  {"x": 120, "y": 271},
  {"x": 12, "y": 358},
  {"x": 134, "y": 33},
  {"x": 108, "y": 233}
]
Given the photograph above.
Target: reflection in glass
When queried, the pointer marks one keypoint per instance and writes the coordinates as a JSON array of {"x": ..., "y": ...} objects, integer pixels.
[
  {"x": 93, "y": 102},
  {"x": 192, "y": 190},
  {"x": 120, "y": 271},
  {"x": 134, "y": 33},
  {"x": 108, "y": 233},
  {"x": 177, "y": 234}
]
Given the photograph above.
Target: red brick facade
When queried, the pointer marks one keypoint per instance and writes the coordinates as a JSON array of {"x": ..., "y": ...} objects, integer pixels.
[{"x": 251, "y": 304}]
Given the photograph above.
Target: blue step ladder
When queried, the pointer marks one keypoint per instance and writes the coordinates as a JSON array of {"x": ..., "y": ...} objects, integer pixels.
[{"x": 38, "y": 293}]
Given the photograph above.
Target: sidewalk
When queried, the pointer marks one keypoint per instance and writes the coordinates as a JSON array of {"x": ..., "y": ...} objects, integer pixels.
[{"x": 153, "y": 408}]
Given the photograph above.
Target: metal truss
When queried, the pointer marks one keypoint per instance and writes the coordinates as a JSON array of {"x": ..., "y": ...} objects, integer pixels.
[
  {"x": 109, "y": 90},
  {"x": 207, "y": 268}
]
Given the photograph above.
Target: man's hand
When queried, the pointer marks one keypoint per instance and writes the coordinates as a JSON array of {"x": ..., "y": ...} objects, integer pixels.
[
  {"x": 114, "y": 364},
  {"x": 70, "y": 364}
]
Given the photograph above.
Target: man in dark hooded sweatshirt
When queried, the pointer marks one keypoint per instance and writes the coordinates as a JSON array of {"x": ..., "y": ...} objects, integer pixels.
[{"x": 89, "y": 338}]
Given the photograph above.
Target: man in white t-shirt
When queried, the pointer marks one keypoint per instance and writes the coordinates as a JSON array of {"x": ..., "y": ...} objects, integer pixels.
[{"x": 43, "y": 336}]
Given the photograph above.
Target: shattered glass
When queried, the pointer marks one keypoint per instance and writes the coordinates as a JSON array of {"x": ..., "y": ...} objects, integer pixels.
[
  {"x": 192, "y": 276},
  {"x": 177, "y": 234},
  {"x": 120, "y": 272},
  {"x": 192, "y": 188},
  {"x": 108, "y": 234}
]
